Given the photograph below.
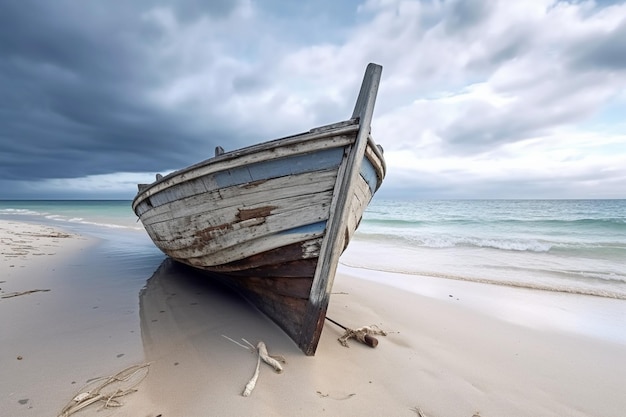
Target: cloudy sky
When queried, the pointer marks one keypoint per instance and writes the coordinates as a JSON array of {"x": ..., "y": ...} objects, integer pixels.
[{"x": 479, "y": 98}]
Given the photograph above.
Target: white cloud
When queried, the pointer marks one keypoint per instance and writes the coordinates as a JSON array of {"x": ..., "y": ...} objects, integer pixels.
[{"x": 479, "y": 98}]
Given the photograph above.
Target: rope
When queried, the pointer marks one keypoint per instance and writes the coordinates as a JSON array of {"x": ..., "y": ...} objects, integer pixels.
[{"x": 360, "y": 333}]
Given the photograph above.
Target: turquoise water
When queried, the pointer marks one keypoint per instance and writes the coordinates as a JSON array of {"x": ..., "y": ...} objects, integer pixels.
[
  {"x": 585, "y": 227},
  {"x": 115, "y": 214},
  {"x": 576, "y": 246}
]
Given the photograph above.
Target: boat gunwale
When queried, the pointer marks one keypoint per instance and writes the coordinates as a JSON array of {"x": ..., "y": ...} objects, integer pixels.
[{"x": 312, "y": 135}]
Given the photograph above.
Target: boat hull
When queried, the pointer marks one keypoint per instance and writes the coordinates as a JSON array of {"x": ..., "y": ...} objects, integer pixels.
[{"x": 270, "y": 220}]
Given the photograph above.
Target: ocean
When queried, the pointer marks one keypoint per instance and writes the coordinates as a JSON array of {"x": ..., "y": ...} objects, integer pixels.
[
  {"x": 568, "y": 246},
  {"x": 572, "y": 246}
]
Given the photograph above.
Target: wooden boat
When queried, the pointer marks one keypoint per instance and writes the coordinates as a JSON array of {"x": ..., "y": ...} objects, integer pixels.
[{"x": 273, "y": 219}]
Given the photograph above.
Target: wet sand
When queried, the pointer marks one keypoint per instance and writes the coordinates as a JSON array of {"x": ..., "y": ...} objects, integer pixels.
[{"x": 446, "y": 354}]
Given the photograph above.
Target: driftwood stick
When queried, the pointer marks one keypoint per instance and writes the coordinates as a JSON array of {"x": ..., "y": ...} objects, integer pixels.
[
  {"x": 235, "y": 342},
  {"x": 252, "y": 383},
  {"x": 249, "y": 344},
  {"x": 88, "y": 397},
  {"x": 262, "y": 354},
  {"x": 17, "y": 294},
  {"x": 267, "y": 358}
]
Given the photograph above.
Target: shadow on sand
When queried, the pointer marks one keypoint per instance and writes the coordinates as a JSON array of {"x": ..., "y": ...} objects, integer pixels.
[
  {"x": 181, "y": 304},
  {"x": 184, "y": 318}
]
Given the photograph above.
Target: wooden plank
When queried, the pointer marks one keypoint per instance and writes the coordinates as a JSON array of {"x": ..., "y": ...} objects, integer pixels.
[
  {"x": 280, "y": 286},
  {"x": 369, "y": 174},
  {"x": 204, "y": 237},
  {"x": 295, "y": 260},
  {"x": 244, "y": 195},
  {"x": 224, "y": 212},
  {"x": 250, "y": 248},
  {"x": 324, "y": 159},
  {"x": 176, "y": 235},
  {"x": 333, "y": 245},
  {"x": 284, "y": 311},
  {"x": 273, "y": 150},
  {"x": 333, "y": 126},
  {"x": 376, "y": 157},
  {"x": 201, "y": 233},
  {"x": 362, "y": 197}
]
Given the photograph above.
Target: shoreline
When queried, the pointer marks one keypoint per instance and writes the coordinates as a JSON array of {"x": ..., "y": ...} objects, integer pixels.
[
  {"x": 53, "y": 341},
  {"x": 579, "y": 314},
  {"x": 31, "y": 250},
  {"x": 445, "y": 356}
]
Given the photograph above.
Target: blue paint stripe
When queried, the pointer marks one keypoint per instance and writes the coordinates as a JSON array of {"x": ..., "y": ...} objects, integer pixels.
[
  {"x": 369, "y": 174},
  {"x": 307, "y": 228},
  {"x": 298, "y": 164}
]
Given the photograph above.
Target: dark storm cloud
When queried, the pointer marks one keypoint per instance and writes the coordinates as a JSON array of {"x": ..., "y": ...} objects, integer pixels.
[
  {"x": 75, "y": 78},
  {"x": 605, "y": 50},
  {"x": 463, "y": 15}
]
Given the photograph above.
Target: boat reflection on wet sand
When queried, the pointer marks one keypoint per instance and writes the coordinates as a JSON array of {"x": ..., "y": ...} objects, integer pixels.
[{"x": 184, "y": 318}]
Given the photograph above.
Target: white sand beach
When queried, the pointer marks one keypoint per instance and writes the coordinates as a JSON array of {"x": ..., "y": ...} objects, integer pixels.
[{"x": 448, "y": 352}]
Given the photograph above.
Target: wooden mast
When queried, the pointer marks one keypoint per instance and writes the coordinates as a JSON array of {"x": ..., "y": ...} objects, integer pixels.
[{"x": 333, "y": 243}]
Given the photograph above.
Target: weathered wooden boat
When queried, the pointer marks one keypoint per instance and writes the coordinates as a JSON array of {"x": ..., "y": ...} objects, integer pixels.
[{"x": 273, "y": 219}]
